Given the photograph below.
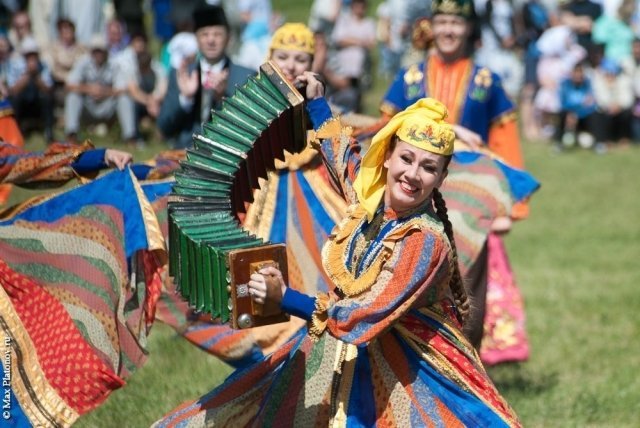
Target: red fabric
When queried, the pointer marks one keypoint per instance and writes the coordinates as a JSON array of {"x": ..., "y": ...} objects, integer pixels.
[
  {"x": 69, "y": 364},
  {"x": 153, "y": 273},
  {"x": 505, "y": 336}
]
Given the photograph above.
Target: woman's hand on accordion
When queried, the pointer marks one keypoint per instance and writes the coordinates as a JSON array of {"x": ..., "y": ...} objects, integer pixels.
[
  {"x": 313, "y": 83},
  {"x": 267, "y": 285}
]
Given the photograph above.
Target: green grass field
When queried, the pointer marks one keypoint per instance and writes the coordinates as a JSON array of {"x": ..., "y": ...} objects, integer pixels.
[{"x": 576, "y": 260}]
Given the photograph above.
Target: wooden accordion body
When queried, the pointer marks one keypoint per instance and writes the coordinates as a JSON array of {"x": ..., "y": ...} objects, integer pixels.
[{"x": 211, "y": 256}]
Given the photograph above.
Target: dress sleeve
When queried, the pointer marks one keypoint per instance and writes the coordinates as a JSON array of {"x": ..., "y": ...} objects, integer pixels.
[
  {"x": 340, "y": 151},
  {"x": 418, "y": 264},
  {"x": 53, "y": 166}
]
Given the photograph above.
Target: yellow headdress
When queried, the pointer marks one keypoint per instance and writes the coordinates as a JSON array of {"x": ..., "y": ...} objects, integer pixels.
[
  {"x": 422, "y": 125},
  {"x": 293, "y": 37}
]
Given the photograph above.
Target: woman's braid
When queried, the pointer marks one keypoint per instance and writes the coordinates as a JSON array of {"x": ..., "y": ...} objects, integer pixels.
[{"x": 457, "y": 287}]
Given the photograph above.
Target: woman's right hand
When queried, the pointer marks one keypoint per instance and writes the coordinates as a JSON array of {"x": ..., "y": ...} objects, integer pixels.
[
  {"x": 261, "y": 291},
  {"x": 314, "y": 87}
]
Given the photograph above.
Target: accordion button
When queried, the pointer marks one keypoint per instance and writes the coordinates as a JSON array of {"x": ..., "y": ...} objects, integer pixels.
[
  {"x": 230, "y": 304},
  {"x": 228, "y": 277},
  {"x": 245, "y": 321}
]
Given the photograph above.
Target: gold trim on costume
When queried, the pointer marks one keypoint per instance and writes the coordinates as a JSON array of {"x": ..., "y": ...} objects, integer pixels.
[
  {"x": 155, "y": 238},
  {"x": 295, "y": 161},
  {"x": 331, "y": 128},
  {"x": 345, "y": 368},
  {"x": 318, "y": 323},
  {"x": 387, "y": 108},
  {"x": 507, "y": 117},
  {"x": 259, "y": 218},
  {"x": 28, "y": 379},
  {"x": 334, "y": 253}
]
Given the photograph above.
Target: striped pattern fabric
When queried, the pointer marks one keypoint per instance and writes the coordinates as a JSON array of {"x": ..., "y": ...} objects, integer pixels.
[
  {"x": 80, "y": 275},
  {"x": 476, "y": 194},
  {"x": 380, "y": 363},
  {"x": 39, "y": 168}
]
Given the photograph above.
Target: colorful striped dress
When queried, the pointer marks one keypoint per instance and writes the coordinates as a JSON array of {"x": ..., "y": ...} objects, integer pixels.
[
  {"x": 80, "y": 273},
  {"x": 384, "y": 348}
]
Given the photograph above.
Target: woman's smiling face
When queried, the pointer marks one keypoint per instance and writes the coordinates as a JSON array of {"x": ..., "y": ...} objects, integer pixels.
[
  {"x": 292, "y": 63},
  {"x": 412, "y": 174}
]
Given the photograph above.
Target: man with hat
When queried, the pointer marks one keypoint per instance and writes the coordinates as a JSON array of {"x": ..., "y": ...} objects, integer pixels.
[
  {"x": 197, "y": 88},
  {"x": 482, "y": 116},
  {"x": 94, "y": 92}
]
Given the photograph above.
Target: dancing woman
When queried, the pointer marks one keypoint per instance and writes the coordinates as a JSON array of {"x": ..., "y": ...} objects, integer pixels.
[{"x": 384, "y": 347}]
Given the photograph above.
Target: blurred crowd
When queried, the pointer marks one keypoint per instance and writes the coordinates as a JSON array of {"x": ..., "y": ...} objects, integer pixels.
[{"x": 67, "y": 66}]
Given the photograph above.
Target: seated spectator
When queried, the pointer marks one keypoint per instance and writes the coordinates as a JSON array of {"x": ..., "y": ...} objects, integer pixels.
[
  {"x": 147, "y": 86},
  {"x": 578, "y": 115},
  {"x": 117, "y": 37},
  {"x": 20, "y": 29},
  {"x": 30, "y": 88},
  {"x": 615, "y": 33},
  {"x": 613, "y": 90},
  {"x": 94, "y": 93},
  {"x": 354, "y": 35},
  {"x": 61, "y": 55},
  {"x": 559, "y": 53}
]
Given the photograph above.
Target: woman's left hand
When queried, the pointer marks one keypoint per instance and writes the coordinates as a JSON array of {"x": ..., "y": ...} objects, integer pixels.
[
  {"x": 261, "y": 290},
  {"x": 117, "y": 158},
  {"x": 314, "y": 86}
]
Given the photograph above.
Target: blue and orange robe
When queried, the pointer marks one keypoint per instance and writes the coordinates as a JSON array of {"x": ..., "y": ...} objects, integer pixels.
[
  {"x": 80, "y": 274},
  {"x": 382, "y": 347},
  {"x": 475, "y": 99}
]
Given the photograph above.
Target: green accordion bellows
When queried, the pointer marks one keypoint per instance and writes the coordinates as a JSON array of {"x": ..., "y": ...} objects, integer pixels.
[{"x": 211, "y": 255}]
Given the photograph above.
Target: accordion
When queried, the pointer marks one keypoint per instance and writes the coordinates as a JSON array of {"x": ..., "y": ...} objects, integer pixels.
[{"x": 211, "y": 256}]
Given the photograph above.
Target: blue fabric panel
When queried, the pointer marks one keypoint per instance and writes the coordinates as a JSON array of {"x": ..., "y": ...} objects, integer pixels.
[
  {"x": 361, "y": 410},
  {"x": 89, "y": 161},
  {"x": 115, "y": 189}
]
